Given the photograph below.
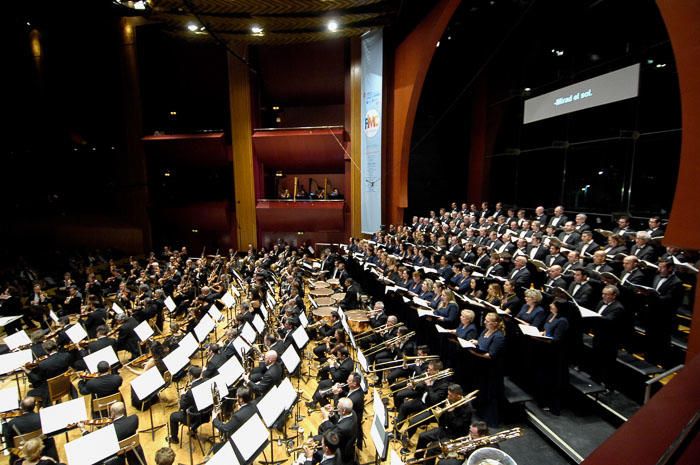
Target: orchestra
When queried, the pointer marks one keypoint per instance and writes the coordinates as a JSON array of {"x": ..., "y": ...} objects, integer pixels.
[{"x": 456, "y": 269}]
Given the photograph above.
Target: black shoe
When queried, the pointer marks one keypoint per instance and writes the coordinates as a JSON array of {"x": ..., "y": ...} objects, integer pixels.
[
  {"x": 173, "y": 440},
  {"x": 405, "y": 451},
  {"x": 311, "y": 405}
]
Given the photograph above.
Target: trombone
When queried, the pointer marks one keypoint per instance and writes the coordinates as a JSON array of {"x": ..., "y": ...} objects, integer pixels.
[
  {"x": 446, "y": 373},
  {"x": 381, "y": 346},
  {"x": 390, "y": 365},
  {"x": 436, "y": 410},
  {"x": 372, "y": 331},
  {"x": 461, "y": 446}
]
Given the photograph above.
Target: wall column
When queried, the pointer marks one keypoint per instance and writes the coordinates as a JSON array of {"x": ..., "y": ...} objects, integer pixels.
[{"x": 242, "y": 146}]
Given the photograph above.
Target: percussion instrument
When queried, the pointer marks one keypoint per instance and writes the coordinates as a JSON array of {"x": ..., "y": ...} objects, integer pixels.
[
  {"x": 339, "y": 296},
  {"x": 324, "y": 313},
  {"x": 321, "y": 285},
  {"x": 357, "y": 320},
  {"x": 325, "y": 301},
  {"x": 322, "y": 292},
  {"x": 335, "y": 282}
]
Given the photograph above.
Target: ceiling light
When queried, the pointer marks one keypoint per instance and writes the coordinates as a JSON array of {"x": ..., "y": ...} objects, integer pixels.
[
  {"x": 192, "y": 27},
  {"x": 661, "y": 65},
  {"x": 332, "y": 25},
  {"x": 438, "y": 44},
  {"x": 557, "y": 52},
  {"x": 527, "y": 89},
  {"x": 255, "y": 29},
  {"x": 275, "y": 108},
  {"x": 650, "y": 61}
]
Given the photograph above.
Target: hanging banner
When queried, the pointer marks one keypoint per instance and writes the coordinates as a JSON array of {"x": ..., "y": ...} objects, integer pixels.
[{"x": 371, "y": 108}]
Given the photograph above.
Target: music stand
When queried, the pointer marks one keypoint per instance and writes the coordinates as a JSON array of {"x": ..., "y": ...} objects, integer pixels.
[
  {"x": 380, "y": 439},
  {"x": 270, "y": 410},
  {"x": 291, "y": 361},
  {"x": 146, "y": 387},
  {"x": 250, "y": 439},
  {"x": 224, "y": 456},
  {"x": 92, "y": 448},
  {"x": 13, "y": 362}
]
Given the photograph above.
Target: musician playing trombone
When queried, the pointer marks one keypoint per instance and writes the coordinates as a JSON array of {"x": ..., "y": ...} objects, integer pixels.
[
  {"x": 452, "y": 423},
  {"x": 430, "y": 392}
]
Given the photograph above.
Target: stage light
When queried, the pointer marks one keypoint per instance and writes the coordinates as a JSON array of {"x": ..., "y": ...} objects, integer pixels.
[
  {"x": 527, "y": 89},
  {"x": 438, "y": 44},
  {"x": 332, "y": 25},
  {"x": 661, "y": 65},
  {"x": 557, "y": 52},
  {"x": 192, "y": 27},
  {"x": 255, "y": 29},
  {"x": 275, "y": 108}
]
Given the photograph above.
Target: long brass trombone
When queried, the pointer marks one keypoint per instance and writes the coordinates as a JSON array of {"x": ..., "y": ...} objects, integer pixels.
[
  {"x": 399, "y": 363},
  {"x": 461, "y": 446},
  {"x": 446, "y": 373},
  {"x": 436, "y": 410},
  {"x": 371, "y": 331},
  {"x": 382, "y": 345}
]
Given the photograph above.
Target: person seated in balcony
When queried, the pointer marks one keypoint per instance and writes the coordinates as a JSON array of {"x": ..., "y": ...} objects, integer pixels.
[
  {"x": 285, "y": 194},
  {"x": 335, "y": 194},
  {"x": 302, "y": 194}
]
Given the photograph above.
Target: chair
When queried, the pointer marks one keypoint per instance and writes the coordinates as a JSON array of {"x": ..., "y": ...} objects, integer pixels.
[
  {"x": 59, "y": 387},
  {"x": 102, "y": 404},
  {"x": 194, "y": 420},
  {"x": 131, "y": 444},
  {"x": 20, "y": 439}
]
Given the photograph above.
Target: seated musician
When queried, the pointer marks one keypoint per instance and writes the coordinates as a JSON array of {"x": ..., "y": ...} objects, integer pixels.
[
  {"x": 272, "y": 375},
  {"x": 407, "y": 370},
  {"x": 246, "y": 409},
  {"x": 32, "y": 453},
  {"x": 478, "y": 429},
  {"x": 125, "y": 427},
  {"x": 328, "y": 454},
  {"x": 127, "y": 339},
  {"x": 429, "y": 392},
  {"x": 377, "y": 316},
  {"x": 55, "y": 364},
  {"x": 398, "y": 348},
  {"x": 331, "y": 345},
  {"x": 105, "y": 384},
  {"x": 101, "y": 340},
  {"x": 327, "y": 330},
  {"x": 186, "y": 402},
  {"x": 345, "y": 424},
  {"x": 215, "y": 360},
  {"x": 335, "y": 370},
  {"x": 452, "y": 424},
  {"x": 93, "y": 316},
  {"x": 26, "y": 423},
  {"x": 352, "y": 295},
  {"x": 72, "y": 303},
  {"x": 165, "y": 456}
]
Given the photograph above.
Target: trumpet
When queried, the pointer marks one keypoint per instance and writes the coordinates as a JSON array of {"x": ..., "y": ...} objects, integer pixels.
[
  {"x": 399, "y": 363},
  {"x": 323, "y": 392},
  {"x": 331, "y": 359},
  {"x": 311, "y": 444},
  {"x": 423, "y": 378}
]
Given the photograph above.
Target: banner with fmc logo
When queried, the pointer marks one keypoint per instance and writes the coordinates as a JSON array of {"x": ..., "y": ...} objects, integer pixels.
[{"x": 371, "y": 108}]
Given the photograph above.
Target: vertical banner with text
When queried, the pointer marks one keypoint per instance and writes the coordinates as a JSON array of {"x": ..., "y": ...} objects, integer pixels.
[{"x": 372, "y": 64}]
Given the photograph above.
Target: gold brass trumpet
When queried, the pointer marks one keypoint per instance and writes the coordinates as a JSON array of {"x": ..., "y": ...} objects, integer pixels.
[
  {"x": 309, "y": 443},
  {"x": 399, "y": 363}
]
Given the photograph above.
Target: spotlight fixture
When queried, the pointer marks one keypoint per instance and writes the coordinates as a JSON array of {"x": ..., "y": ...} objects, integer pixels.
[
  {"x": 192, "y": 27},
  {"x": 527, "y": 89},
  {"x": 557, "y": 52},
  {"x": 332, "y": 25},
  {"x": 275, "y": 107},
  {"x": 661, "y": 65},
  {"x": 257, "y": 30},
  {"x": 438, "y": 44}
]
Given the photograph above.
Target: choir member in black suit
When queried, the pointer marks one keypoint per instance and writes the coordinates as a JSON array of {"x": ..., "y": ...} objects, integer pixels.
[
  {"x": 555, "y": 280},
  {"x": 554, "y": 257},
  {"x": 580, "y": 288},
  {"x": 559, "y": 219},
  {"x": 642, "y": 249},
  {"x": 609, "y": 332}
]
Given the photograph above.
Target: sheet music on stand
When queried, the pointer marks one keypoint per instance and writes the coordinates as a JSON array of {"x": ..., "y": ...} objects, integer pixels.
[
  {"x": 188, "y": 344},
  {"x": 264, "y": 311},
  {"x": 241, "y": 346},
  {"x": 394, "y": 458},
  {"x": 231, "y": 371},
  {"x": 17, "y": 339},
  {"x": 170, "y": 304},
  {"x": 270, "y": 407},
  {"x": 76, "y": 333},
  {"x": 251, "y": 438},
  {"x": 8, "y": 399},
  {"x": 287, "y": 393},
  {"x": 215, "y": 313},
  {"x": 379, "y": 407},
  {"x": 291, "y": 359},
  {"x": 379, "y": 437},
  {"x": 248, "y": 333},
  {"x": 14, "y": 360},
  {"x": 56, "y": 417},
  {"x": 107, "y": 354},
  {"x": 300, "y": 337},
  {"x": 6, "y": 320},
  {"x": 228, "y": 299},
  {"x": 176, "y": 360},
  {"x": 92, "y": 448},
  {"x": 342, "y": 315},
  {"x": 53, "y": 316},
  {"x": 205, "y": 326},
  {"x": 202, "y": 392},
  {"x": 362, "y": 360},
  {"x": 224, "y": 456},
  {"x": 147, "y": 383},
  {"x": 144, "y": 331},
  {"x": 259, "y": 324},
  {"x": 117, "y": 309},
  {"x": 304, "y": 321}
]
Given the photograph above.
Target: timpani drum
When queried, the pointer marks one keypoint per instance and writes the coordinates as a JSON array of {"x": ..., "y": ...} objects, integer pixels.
[
  {"x": 321, "y": 285},
  {"x": 325, "y": 301},
  {"x": 338, "y": 297},
  {"x": 357, "y": 320},
  {"x": 323, "y": 313},
  {"x": 324, "y": 292},
  {"x": 335, "y": 282}
]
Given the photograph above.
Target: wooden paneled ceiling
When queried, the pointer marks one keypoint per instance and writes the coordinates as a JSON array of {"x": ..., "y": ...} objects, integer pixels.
[{"x": 282, "y": 21}]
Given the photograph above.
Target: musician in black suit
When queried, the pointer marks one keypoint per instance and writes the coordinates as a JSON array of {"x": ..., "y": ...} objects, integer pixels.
[
  {"x": 126, "y": 336},
  {"x": 658, "y": 310},
  {"x": 554, "y": 257},
  {"x": 125, "y": 427},
  {"x": 555, "y": 280},
  {"x": 559, "y": 219},
  {"x": 337, "y": 372},
  {"x": 642, "y": 249},
  {"x": 587, "y": 246},
  {"x": 377, "y": 316},
  {"x": 246, "y": 409},
  {"x": 610, "y": 330},
  {"x": 26, "y": 423},
  {"x": 452, "y": 424},
  {"x": 216, "y": 359},
  {"x": 96, "y": 317},
  {"x": 328, "y": 455},
  {"x": 56, "y": 364},
  {"x": 186, "y": 402},
  {"x": 352, "y": 295},
  {"x": 103, "y": 385},
  {"x": 537, "y": 251},
  {"x": 345, "y": 425},
  {"x": 353, "y": 391},
  {"x": 272, "y": 375}
]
